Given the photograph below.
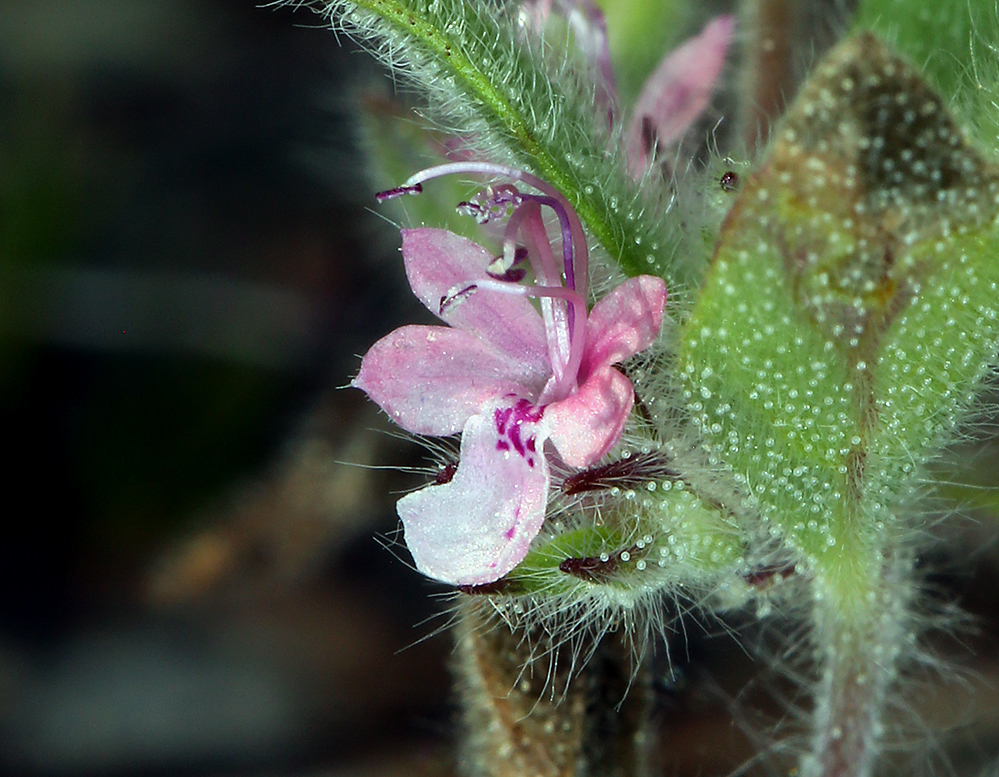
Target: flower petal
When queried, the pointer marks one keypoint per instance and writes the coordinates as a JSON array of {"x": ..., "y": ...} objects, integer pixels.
[
  {"x": 587, "y": 424},
  {"x": 677, "y": 93},
  {"x": 624, "y": 322},
  {"x": 431, "y": 379},
  {"x": 439, "y": 263},
  {"x": 477, "y": 527}
]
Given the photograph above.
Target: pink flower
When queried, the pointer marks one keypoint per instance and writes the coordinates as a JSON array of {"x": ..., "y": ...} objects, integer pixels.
[{"x": 519, "y": 385}]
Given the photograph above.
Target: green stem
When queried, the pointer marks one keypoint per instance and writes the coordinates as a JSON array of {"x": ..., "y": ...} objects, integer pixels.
[
  {"x": 860, "y": 635},
  {"x": 530, "y": 709}
]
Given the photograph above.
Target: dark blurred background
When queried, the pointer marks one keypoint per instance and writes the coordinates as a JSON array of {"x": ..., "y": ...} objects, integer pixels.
[{"x": 190, "y": 581}]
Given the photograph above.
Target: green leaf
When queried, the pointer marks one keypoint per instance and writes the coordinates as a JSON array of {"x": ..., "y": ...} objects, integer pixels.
[{"x": 850, "y": 310}]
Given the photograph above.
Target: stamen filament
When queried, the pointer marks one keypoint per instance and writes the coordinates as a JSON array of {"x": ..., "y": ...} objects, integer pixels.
[
  {"x": 557, "y": 318},
  {"x": 566, "y": 383},
  {"x": 566, "y": 227}
]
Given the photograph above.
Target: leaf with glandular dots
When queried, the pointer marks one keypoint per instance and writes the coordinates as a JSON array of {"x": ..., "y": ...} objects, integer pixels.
[{"x": 851, "y": 307}]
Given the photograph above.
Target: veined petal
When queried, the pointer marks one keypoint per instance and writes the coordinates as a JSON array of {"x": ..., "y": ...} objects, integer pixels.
[
  {"x": 677, "y": 92},
  {"x": 431, "y": 379},
  {"x": 586, "y": 425},
  {"x": 625, "y": 322},
  {"x": 439, "y": 263},
  {"x": 478, "y": 526}
]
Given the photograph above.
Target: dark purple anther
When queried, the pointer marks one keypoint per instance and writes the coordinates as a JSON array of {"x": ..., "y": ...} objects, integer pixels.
[
  {"x": 398, "y": 191},
  {"x": 449, "y": 299},
  {"x": 511, "y": 275}
]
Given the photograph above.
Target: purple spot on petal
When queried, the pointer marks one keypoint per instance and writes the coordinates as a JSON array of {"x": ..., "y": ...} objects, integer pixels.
[
  {"x": 514, "y": 436},
  {"x": 525, "y": 411},
  {"x": 502, "y": 417},
  {"x": 509, "y": 428},
  {"x": 511, "y": 532}
]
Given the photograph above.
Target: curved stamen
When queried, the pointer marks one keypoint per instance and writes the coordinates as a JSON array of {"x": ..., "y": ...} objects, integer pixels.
[
  {"x": 483, "y": 168},
  {"x": 542, "y": 260},
  {"x": 488, "y": 204},
  {"x": 558, "y": 319},
  {"x": 495, "y": 202},
  {"x": 580, "y": 260},
  {"x": 566, "y": 227}
]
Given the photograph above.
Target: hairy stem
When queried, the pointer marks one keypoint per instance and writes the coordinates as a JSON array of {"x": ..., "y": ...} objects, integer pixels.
[
  {"x": 523, "y": 716},
  {"x": 860, "y": 640}
]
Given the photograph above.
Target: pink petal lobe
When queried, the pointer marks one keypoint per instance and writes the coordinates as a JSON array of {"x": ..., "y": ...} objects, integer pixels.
[
  {"x": 677, "y": 92},
  {"x": 587, "y": 424},
  {"x": 440, "y": 263},
  {"x": 625, "y": 322},
  {"x": 431, "y": 379},
  {"x": 477, "y": 527}
]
